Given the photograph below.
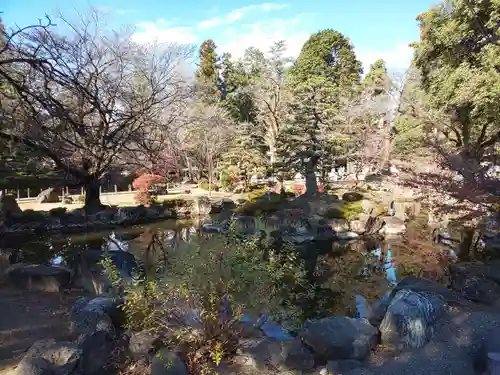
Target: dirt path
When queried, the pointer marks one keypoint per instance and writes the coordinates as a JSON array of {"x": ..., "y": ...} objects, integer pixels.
[{"x": 26, "y": 317}]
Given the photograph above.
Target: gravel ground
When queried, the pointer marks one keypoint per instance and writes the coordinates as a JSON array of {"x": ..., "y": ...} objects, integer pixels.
[{"x": 455, "y": 344}]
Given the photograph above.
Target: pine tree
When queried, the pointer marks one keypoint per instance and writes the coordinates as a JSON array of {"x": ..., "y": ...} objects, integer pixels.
[
  {"x": 326, "y": 71},
  {"x": 207, "y": 75}
]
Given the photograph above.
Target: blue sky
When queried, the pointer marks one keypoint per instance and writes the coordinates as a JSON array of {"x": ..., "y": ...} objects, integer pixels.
[{"x": 377, "y": 28}]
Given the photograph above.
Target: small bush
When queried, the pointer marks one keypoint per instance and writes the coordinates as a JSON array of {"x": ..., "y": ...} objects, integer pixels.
[
  {"x": 257, "y": 193},
  {"x": 58, "y": 212},
  {"x": 196, "y": 302},
  {"x": 205, "y": 186},
  {"x": 81, "y": 198},
  {"x": 348, "y": 211},
  {"x": 379, "y": 210},
  {"x": 146, "y": 181}
]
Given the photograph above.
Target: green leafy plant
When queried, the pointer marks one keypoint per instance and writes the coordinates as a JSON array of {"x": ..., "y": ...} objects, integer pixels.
[{"x": 196, "y": 302}]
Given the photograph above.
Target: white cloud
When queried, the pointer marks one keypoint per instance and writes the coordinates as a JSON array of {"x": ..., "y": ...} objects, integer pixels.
[
  {"x": 161, "y": 31},
  {"x": 238, "y": 36},
  {"x": 263, "y": 35},
  {"x": 238, "y": 14},
  {"x": 397, "y": 59}
]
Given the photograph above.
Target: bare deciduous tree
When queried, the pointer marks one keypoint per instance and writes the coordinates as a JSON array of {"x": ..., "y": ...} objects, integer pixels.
[
  {"x": 93, "y": 99},
  {"x": 208, "y": 133},
  {"x": 270, "y": 96}
]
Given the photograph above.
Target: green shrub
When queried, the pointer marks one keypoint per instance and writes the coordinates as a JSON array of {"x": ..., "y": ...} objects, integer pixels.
[
  {"x": 81, "y": 198},
  {"x": 348, "y": 211},
  {"x": 257, "y": 193},
  {"x": 220, "y": 284}
]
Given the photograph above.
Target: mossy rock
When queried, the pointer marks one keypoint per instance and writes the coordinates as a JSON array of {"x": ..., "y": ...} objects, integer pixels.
[
  {"x": 352, "y": 196},
  {"x": 262, "y": 205},
  {"x": 348, "y": 211}
]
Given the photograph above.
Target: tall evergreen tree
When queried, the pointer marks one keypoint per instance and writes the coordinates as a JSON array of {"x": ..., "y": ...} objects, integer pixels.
[
  {"x": 325, "y": 71},
  {"x": 207, "y": 75}
]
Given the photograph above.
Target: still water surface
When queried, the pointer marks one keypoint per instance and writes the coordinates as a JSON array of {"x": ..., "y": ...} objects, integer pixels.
[{"x": 360, "y": 269}]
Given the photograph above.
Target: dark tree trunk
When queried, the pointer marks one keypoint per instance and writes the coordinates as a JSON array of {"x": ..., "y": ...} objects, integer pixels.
[
  {"x": 92, "y": 193},
  {"x": 311, "y": 181},
  {"x": 466, "y": 243}
]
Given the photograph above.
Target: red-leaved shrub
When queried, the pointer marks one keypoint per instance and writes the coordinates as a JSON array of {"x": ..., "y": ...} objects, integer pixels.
[
  {"x": 299, "y": 188},
  {"x": 145, "y": 181}
]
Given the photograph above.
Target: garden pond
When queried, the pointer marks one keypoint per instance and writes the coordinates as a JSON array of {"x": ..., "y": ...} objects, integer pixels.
[{"x": 362, "y": 267}]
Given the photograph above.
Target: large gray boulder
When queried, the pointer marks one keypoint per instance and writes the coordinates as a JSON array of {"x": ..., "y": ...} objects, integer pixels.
[
  {"x": 49, "y": 357},
  {"x": 341, "y": 337},
  {"x": 410, "y": 318},
  {"x": 49, "y": 195},
  {"x": 89, "y": 315},
  {"x": 130, "y": 215},
  {"x": 142, "y": 344},
  {"x": 267, "y": 353},
  {"x": 96, "y": 351},
  {"x": 8, "y": 206}
]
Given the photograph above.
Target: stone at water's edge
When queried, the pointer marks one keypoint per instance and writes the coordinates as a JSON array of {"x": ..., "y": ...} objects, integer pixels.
[
  {"x": 339, "y": 225},
  {"x": 410, "y": 318},
  {"x": 49, "y": 195},
  {"x": 340, "y": 337},
  {"x": 96, "y": 350},
  {"x": 50, "y": 358},
  {"x": 141, "y": 344},
  {"x": 90, "y": 274},
  {"x": 265, "y": 353},
  {"x": 201, "y": 206},
  {"x": 92, "y": 314},
  {"x": 8, "y": 206},
  {"x": 393, "y": 226},
  {"x": 40, "y": 278}
]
